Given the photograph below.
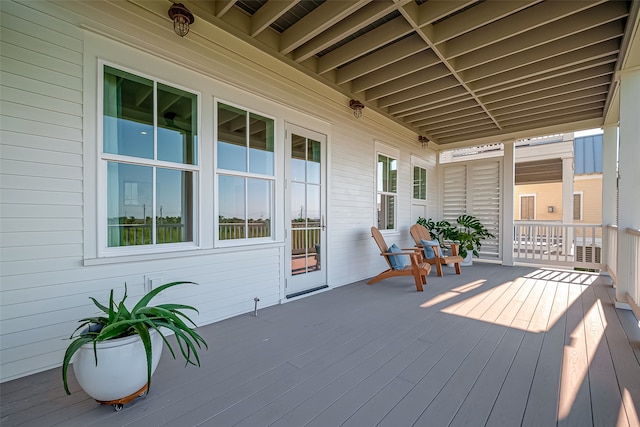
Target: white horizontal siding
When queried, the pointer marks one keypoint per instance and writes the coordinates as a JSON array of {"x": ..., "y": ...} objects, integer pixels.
[
  {"x": 46, "y": 281},
  {"x": 25, "y": 253},
  {"x": 41, "y": 142}
]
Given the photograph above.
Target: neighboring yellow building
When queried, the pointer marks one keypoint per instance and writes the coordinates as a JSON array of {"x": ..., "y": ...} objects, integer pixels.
[
  {"x": 543, "y": 202},
  {"x": 537, "y": 200}
]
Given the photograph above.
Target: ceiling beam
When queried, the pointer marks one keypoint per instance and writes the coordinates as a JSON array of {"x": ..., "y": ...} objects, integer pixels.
[
  {"x": 269, "y": 13},
  {"x": 317, "y": 21}
]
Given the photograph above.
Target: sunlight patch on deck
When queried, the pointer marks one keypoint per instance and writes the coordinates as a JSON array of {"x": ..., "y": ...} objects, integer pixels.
[{"x": 452, "y": 293}]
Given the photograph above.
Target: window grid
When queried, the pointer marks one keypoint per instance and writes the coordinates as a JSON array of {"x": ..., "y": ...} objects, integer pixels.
[
  {"x": 141, "y": 210},
  {"x": 245, "y": 159},
  {"x": 387, "y": 185}
]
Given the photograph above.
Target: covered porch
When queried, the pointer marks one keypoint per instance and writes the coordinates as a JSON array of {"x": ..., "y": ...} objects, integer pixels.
[{"x": 494, "y": 346}]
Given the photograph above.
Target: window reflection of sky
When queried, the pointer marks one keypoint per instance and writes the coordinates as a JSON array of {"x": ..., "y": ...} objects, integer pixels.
[{"x": 231, "y": 200}]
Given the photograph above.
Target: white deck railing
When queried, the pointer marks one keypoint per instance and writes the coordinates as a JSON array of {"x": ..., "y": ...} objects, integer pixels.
[
  {"x": 611, "y": 251},
  {"x": 237, "y": 230},
  {"x": 632, "y": 236},
  {"x": 140, "y": 234},
  {"x": 573, "y": 245}
]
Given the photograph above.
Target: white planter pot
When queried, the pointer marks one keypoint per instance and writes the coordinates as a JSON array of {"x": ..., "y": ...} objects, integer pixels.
[
  {"x": 468, "y": 260},
  {"x": 121, "y": 369}
]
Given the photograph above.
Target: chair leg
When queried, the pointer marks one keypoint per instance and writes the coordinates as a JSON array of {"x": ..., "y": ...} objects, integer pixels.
[
  {"x": 457, "y": 265},
  {"x": 439, "y": 268},
  {"x": 416, "y": 273}
]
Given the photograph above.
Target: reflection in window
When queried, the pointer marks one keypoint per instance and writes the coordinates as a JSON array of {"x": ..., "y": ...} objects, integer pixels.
[
  {"x": 419, "y": 183},
  {"x": 305, "y": 204},
  {"x": 387, "y": 175},
  {"x": 145, "y": 122},
  {"x": 246, "y": 165}
]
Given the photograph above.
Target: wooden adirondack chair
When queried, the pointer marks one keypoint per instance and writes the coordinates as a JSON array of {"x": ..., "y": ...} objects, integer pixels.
[
  {"x": 418, "y": 269},
  {"x": 420, "y": 233}
]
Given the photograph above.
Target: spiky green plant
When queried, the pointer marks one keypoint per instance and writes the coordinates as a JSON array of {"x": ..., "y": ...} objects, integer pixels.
[{"x": 121, "y": 322}]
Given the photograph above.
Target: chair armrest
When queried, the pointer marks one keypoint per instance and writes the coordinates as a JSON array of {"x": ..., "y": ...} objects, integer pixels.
[
  {"x": 454, "y": 247},
  {"x": 398, "y": 253}
]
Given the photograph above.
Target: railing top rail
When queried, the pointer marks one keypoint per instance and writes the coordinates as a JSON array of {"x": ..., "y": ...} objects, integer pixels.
[
  {"x": 632, "y": 231},
  {"x": 612, "y": 226}
]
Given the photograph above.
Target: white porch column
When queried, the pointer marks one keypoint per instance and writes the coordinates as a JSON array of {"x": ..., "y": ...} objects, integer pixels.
[
  {"x": 629, "y": 184},
  {"x": 609, "y": 190},
  {"x": 508, "y": 192},
  {"x": 609, "y": 175},
  {"x": 567, "y": 202}
]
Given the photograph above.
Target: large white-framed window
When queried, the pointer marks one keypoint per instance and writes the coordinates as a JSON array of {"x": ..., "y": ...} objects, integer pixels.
[
  {"x": 148, "y": 163},
  {"x": 386, "y": 187},
  {"x": 577, "y": 206},
  {"x": 245, "y": 175}
]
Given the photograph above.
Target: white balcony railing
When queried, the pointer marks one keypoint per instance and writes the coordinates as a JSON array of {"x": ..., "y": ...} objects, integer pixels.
[
  {"x": 632, "y": 237},
  {"x": 140, "y": 234},
  {"x": 611, "y": 252},
  {"x": 573, "y": 245},
  {"x": 237, "y": 230}
]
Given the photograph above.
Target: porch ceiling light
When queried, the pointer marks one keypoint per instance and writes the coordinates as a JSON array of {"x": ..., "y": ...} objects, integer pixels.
[
  {"x": 357, "y": 108},
  {"x": 424, "y": 141},
  {"x": 181, "y": 17}
]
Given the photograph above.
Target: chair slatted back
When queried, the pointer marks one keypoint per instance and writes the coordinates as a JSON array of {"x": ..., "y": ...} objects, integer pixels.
[
  {"x": 419, "y": 233},
  {"x": 377, "y": 236}
]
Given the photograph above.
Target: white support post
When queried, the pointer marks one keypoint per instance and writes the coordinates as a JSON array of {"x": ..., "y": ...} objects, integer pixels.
[
  {"x": 567, "y": 204},
  {"x": 508, "y": 193},
  {"x": 609, "y": 186},
  {"x": 629, "y": 183}
]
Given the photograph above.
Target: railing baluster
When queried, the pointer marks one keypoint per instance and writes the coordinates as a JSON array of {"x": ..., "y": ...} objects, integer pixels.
[{"x": 560, "y": 244}]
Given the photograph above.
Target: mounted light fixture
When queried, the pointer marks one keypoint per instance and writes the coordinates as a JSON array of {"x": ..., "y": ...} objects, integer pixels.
[
  {"x": 424, "y": 141},
  {"x": 357, "y": 108},
  {"x": 181, "y": 17}
]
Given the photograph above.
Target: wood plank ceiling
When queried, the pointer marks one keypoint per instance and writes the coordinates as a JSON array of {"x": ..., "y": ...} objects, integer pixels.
[{"x": 454, "y": 70}]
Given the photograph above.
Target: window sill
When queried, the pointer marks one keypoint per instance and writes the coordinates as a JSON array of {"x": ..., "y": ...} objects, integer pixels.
[{"x": 174, "y": 254}]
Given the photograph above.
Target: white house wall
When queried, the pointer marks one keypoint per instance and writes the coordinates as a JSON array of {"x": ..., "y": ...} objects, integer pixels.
[{"x": 50, "y": 263}]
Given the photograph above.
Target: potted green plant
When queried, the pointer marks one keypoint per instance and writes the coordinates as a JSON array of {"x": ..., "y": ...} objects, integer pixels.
[
  {"x": 116, "y": 354},
  {"x": 468, "y": 232}
]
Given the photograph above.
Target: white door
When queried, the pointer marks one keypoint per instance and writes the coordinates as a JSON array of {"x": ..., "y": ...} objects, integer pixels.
[{"x": 306, "y": 202}]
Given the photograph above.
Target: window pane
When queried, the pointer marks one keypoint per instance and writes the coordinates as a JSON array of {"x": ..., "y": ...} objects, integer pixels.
[
  {"x": 261, "y": 145},
  {"x": 313, "y": 205},
  {"x": 387, "y": 174},
  {"x": 231, "y": 207},
  {"x": 298, "y": 213},
  {"x": 419, "y": 183},
  {"x": 129, "y": 204},
  {"x": 177, "y": 125},
  {"x": 232, "y": 138},
  {"x": 386, "y": 212},
  {"x": 127, "y": 114},
  {"x": 298, "y": 158},
  {"x": 174, "y": 216},
  {"x": 393, "y": 176},
  {"x": 259, "y": 210},
  {"x": 313, "y": 161}
]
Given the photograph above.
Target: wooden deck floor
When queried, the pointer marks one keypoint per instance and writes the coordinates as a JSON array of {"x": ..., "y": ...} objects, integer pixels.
[{"x": 495, "y": 346}]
